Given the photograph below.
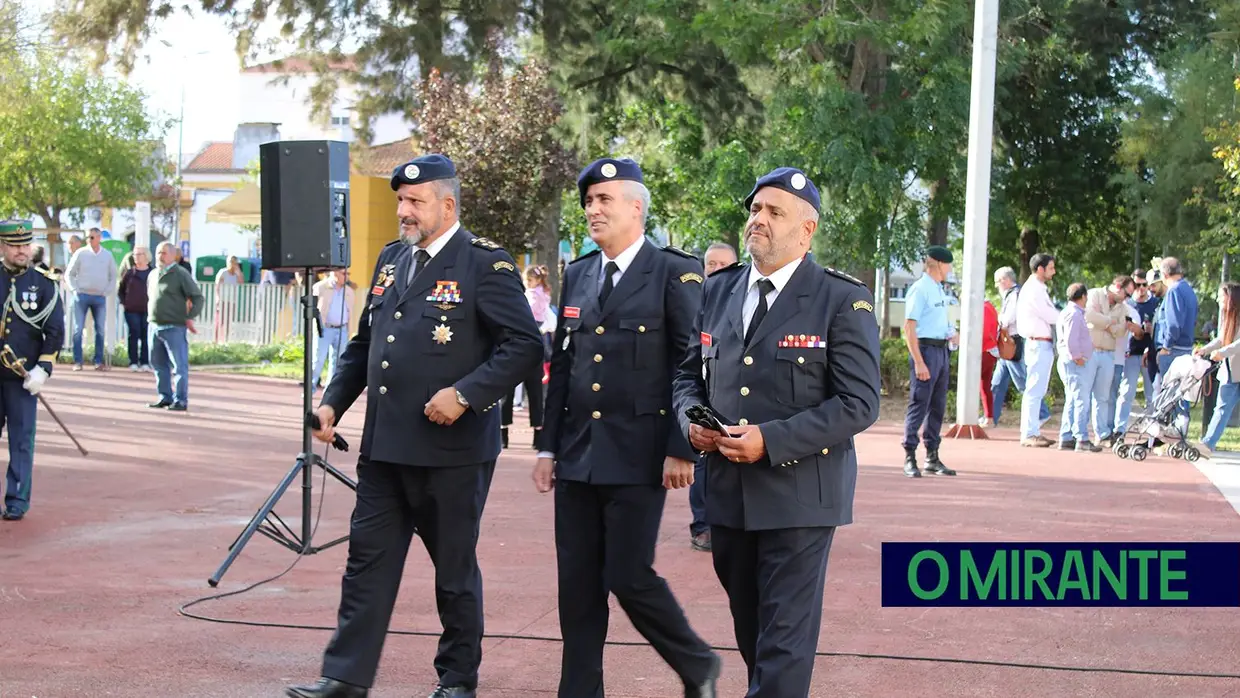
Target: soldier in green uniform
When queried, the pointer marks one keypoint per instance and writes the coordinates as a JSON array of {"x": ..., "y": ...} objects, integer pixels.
[{"x": 32, "y": 331}]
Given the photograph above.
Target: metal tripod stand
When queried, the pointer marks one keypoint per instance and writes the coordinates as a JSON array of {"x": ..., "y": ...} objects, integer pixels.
[{"x": 265, "y": 520}]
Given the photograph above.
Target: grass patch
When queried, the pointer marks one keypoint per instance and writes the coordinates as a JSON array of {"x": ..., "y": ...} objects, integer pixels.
[
  {"x": 268, "y": 370},
  {"x": 208, "y": 354}
]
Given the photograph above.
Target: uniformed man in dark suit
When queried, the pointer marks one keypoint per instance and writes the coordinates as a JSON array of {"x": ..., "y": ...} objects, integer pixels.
[
  {"x": 791, "y": 355},
  {"x": 446, "y": 332},
  {"x": 32, "y": 332},
  {"x": 610, "y": 441}
]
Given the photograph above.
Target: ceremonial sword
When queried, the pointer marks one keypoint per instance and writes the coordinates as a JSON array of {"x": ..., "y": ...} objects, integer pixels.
[{"x": 11, "y": 362}]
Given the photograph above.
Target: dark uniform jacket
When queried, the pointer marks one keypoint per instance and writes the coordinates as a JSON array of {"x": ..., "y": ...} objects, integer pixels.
[
  {"x": 609, "y": 416},
  {"x": 463, "y": 322},
  {"x": 33, "y": 318},
  {"x": 809, "y": 395}
]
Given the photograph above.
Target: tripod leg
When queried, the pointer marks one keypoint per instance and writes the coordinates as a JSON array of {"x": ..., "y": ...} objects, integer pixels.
[{"x": 239, "y": 544}]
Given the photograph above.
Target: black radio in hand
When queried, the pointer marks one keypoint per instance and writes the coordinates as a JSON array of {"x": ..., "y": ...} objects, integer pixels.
[{"x": 707, "y": 418}]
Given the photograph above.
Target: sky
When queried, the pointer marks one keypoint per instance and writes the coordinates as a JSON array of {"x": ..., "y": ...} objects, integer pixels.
[{"x": 202, "y": 61}]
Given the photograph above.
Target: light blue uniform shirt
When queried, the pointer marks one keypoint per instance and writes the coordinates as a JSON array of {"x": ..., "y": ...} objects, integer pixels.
[{"x": 926, "y": 302}]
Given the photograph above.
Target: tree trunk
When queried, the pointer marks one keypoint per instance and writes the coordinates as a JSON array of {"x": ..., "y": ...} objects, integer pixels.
[
  {"x": 936, "y": 233},
  {"x": 548, "y": 246},
  {"x": 1029, "y": 241}
]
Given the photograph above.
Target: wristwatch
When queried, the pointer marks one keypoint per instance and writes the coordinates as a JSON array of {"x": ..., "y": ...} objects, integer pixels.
[{"x": 460, "y": 399}]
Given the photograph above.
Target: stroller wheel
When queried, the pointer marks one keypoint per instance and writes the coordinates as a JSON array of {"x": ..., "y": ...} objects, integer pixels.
[
  {"x": 1175, "y": 450},
  {"x": 1121, "y": 450},
  {"x": 1138, "y": 453},
  {"x": 1192, "y": 454}
]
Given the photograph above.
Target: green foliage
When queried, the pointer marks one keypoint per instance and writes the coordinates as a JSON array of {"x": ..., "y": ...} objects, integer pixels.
[
  {"x": 499, "y": 133},
  {"x": 70, "y": 139},
  {"x": 210, "y": 354}
]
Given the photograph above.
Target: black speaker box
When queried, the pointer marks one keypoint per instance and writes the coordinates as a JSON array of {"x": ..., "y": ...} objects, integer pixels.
[{"x": 305, "y": 204}]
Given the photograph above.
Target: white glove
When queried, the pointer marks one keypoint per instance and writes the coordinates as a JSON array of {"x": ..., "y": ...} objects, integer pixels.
[{"x": 35, "y": 380}]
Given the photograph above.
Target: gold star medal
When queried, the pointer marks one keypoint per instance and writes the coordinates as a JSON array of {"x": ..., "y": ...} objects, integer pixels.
[{"x": 442, "y": 334}]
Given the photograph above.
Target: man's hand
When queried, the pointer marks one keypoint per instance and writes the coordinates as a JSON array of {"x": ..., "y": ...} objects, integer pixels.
[
  {"x": 189, "y": 325},
  {"x": 443, "y": 408},
  {"x": 327, "y": 424},
  {"x": 1135, "y": 329},
  {"x": 544, "y": 474},
  {"x": 1079, "y": 362},
  {"x": 703, "y": 439},
  {"x": 1216, "y": 355},
  {"x": 677, "y": 473},
  {"x": 923, "y": 371},
  {"x": 1164, "y": 352},
  {"x": 747, "y": 446},
  {"x": 35, "y": 380}
]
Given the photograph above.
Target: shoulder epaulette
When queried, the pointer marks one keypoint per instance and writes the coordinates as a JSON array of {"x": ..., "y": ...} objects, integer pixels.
[
  {"x": 592, "y": 253},
  {"x": 847, "y": 277},
  {"x": 677, "y": 251},
  {"x": 731, "y": 267},
  {"x": 49, "y": 273},
  {"x": 486, "y": 244}
]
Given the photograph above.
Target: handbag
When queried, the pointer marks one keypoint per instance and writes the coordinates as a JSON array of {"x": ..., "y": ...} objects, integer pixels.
[{"x": 1007, "y": 346}]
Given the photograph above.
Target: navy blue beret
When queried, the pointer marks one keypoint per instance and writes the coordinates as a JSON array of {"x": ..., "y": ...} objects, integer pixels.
[
  {"x": 791, "y": 180},
  {"x": 607, "y": 170},
  {"x": 427, "y": 168}
]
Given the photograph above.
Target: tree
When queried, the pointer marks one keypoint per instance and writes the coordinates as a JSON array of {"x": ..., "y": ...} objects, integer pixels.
[
  {"x": 71, "y": 139},
  {"x": 500, "y": 134}
]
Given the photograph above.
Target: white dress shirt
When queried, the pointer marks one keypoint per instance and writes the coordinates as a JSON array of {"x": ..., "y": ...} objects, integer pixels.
[
  {"x": 434, "y": 248},
  {"x": 779, "y": 278},
  {"x": 622, "y": 260},
  {"x": 1035, "y": 314}
]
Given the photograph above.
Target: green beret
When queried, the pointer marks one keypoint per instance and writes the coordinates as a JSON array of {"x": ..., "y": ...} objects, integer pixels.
[
  {"x": 16, "y": 232},
  {"x": 940, "y": 254}
]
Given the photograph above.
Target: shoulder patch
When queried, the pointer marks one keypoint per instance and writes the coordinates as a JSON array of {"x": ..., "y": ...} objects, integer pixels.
[
  {"x": 592, "y": 253},
  {"x": 841, "y": 275},
  {"x": 504, "y": 265},
  {"x": 686, "y": 278},
  {"x": 485, "y": 243},
  {"x": 677, "y": 251},
  {"x": 863, "y": 305}
]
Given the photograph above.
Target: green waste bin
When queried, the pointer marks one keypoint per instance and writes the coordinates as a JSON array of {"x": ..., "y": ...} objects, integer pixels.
[{"x": 208, "y": 267}]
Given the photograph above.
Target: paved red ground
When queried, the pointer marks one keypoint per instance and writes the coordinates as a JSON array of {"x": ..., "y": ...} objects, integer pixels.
[{"x": 91, "y": 581}]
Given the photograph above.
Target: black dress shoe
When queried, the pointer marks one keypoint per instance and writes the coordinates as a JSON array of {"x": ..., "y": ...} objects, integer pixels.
[
  {"x": 160, "y": 405},
  {"x": 13, "y": 515},
  {"x": 453, "y": 692},
  {"x": 706, "y": 689},
  {"x": 327, "y": 688}
]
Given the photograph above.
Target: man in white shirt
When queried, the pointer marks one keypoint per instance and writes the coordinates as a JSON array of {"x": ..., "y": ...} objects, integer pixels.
[
  {"x": 1035, "y": 316},
  {"x": 1010, "y": 372}
]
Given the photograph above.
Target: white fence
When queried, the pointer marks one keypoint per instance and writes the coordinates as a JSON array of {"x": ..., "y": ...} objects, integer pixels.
[{"x": 258, "y": 314}]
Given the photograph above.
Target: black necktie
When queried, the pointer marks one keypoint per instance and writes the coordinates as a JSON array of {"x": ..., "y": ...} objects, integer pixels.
[
  {"x": 420, "y": 258},
  {"x": 608, "y": 272},
  {"x": 764, "y": 287}
]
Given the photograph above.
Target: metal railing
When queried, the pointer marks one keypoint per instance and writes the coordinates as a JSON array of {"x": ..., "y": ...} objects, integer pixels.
[{"x": 257, "y": 314}]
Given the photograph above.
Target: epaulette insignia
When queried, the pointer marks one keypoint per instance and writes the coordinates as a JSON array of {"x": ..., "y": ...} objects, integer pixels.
[
  {"x": 676, "y": 250},
  {"x": 863, "y": 305},
  {"x": 731, "y": 267},
  {"x": 686, "y": 278},
  {"x": 846, "y": 277},
  {"x": 49, "y": 273},
  {"x": 485, "y": 244},
  {"x": 592, "y": 253},
  {"x": 503, "y": 265}
]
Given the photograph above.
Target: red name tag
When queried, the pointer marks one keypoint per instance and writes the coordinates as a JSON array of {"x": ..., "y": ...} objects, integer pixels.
[
  {"x": 705, "y": 340},
  {"x": 377, "y": 290},
  {"x": 570, "y": 311}
]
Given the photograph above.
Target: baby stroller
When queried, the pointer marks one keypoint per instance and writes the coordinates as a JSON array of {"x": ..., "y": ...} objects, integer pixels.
[{"x": 1165, "y": 418}]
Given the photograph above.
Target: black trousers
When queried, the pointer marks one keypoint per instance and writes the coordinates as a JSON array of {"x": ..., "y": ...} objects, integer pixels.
[
  {"x": 444, "y": 507},
  {"x": 534, "y": 396},
  {"x": 774, "y": 581},
  {"x": 604, "y": 539}
]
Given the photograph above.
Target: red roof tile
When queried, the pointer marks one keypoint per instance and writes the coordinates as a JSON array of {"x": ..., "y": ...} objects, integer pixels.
[{"x": 214, "y": 156}]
